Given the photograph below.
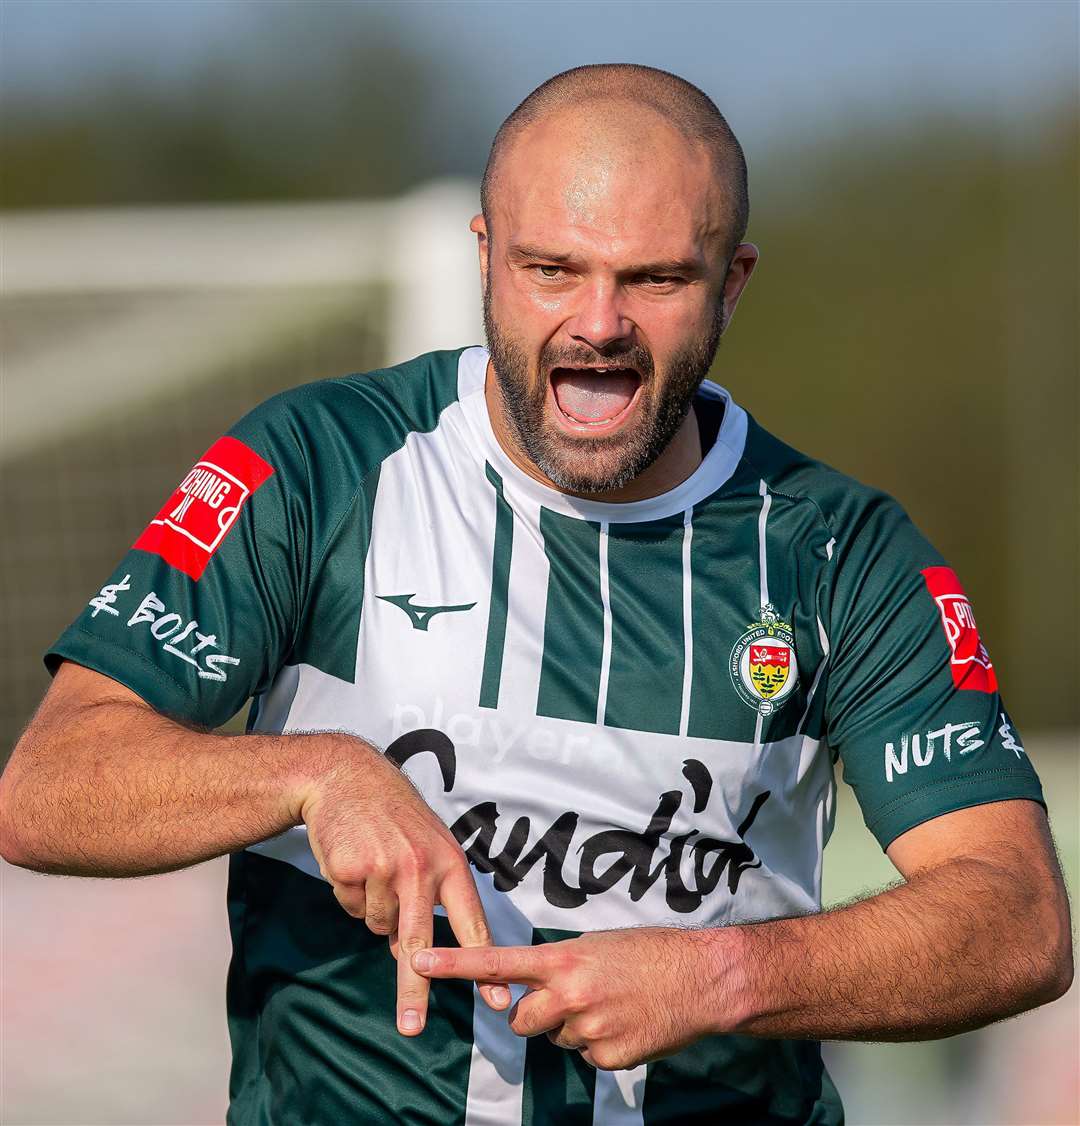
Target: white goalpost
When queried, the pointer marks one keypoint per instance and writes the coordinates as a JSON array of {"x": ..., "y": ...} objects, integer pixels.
[{"x": 190, "y": 286}]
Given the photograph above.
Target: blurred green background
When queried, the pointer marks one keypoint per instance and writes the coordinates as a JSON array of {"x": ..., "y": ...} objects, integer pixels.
[{"x": 914, "y": 193}]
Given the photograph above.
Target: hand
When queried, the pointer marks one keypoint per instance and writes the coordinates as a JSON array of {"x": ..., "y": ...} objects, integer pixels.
[
  {"x": 619, "y": 997},
  {"x": 390, "y": 860}
]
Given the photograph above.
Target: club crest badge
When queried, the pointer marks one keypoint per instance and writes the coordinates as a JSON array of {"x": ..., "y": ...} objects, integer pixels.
[{"x": 763, "y": 665}]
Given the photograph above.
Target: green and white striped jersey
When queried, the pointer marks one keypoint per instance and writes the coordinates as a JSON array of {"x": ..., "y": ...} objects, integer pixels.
[{"x": 626, "y": 713}]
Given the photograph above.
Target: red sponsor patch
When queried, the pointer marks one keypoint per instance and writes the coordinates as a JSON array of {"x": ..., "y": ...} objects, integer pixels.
[
  {"x": 204, "y": 506},
  {"x": 769, "y": 655},
  {"x": 970, "y": 662}
]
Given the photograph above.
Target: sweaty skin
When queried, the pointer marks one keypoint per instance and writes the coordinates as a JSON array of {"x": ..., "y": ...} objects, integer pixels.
[{"x": 609, "y": 240}]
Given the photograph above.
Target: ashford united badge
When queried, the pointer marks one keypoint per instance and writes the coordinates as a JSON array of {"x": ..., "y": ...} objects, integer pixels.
[{"x": 763, "y": 666}]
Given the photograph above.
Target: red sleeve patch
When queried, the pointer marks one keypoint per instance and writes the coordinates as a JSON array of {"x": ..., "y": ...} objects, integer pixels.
[
  {"x": 970, "y": 663},
  {"x": 205, "y": 505}
]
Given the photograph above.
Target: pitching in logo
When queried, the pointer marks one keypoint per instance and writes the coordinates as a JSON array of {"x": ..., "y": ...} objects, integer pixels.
[
  {"x": 969, "y": 661},
  {"x": 763, "y": 665}
]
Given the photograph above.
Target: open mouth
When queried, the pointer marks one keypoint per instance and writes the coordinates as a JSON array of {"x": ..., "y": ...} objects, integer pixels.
[{"x": 594, "y": 398}]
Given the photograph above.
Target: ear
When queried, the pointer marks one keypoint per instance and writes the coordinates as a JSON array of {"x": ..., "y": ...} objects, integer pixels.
[
  {"x": 743, "y": 260},
  {"x": 479, "y": 227}
]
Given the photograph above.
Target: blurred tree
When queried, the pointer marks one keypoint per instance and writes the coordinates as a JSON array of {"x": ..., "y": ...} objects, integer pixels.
[
  {"x": 913, "y": 322},
  {"x": 318, "y": 102}
]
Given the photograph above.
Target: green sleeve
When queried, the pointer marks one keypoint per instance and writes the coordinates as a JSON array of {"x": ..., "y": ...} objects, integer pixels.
[
  {"x": 203, "y": 610},
  {"x": 912, "y": 701}
]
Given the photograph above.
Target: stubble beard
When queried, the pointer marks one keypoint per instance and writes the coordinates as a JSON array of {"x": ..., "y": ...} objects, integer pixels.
[{"x": 597, "y": 465}]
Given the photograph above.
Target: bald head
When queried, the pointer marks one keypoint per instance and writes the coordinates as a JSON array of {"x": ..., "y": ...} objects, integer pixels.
[{"x": 619, "y": 99}]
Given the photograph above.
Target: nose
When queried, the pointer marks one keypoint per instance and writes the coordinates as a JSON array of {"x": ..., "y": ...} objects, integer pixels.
[{"x": 599, "y": 319}]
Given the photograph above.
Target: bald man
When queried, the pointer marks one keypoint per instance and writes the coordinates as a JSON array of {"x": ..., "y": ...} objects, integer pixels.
[{"x": 552, "y": 650}]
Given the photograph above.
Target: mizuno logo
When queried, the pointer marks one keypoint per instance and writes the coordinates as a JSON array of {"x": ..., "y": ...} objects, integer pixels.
[{"x": 421, "y": 615}]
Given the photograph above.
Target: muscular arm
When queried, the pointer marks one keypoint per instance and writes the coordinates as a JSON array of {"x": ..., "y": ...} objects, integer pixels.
[
  {"x": 102, "y": 785},
  {"x": 979, "y": 931}
]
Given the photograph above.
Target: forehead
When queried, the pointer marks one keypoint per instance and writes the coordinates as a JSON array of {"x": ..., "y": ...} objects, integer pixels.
[{"x": 615, "y": 181}]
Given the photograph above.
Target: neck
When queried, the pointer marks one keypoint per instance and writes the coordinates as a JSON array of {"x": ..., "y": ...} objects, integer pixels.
[{"x": 678, "y": 461}]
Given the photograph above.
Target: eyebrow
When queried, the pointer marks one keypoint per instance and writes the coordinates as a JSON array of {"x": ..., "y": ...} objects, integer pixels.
[
  {"x": 671, "y": 266},
  {"x": 690, "y": 266},
  {"x": 524, "y": 250}
]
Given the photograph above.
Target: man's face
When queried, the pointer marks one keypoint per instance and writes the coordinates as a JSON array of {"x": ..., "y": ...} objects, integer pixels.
[{"x": 603, "y": 294}]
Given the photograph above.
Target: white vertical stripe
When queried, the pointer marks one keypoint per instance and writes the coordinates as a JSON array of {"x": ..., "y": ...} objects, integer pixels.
[
  {"x": 619, "y": 1097},
  {"x": 525, "y": 606},
  {"x": 823, "y": 638},
  {"x": 763, "y": 575},
  {"x": 819, "y": 829},
  {"x": 497, "y": 1063},
  {"x": 605, "y": 599},
  {"x": 763, "y": 564},
  {"x": 829, "y": 546},
  {"x": 687, "y": 622}
]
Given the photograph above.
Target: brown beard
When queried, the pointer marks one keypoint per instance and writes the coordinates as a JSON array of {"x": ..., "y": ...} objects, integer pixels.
[{"x": 598, "y": 465}]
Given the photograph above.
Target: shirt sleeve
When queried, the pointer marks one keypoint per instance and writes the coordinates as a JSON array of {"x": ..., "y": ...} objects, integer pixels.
[
  {"x": 203, "y": 609},
  {"x": 912, "y": 701}
]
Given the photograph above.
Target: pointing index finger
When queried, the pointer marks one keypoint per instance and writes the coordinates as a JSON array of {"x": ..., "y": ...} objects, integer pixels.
[
  {"x": 465, "y": 911},
  {"x": 520, "y": 965}
]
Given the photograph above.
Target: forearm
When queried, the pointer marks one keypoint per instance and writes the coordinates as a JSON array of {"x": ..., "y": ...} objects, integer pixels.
[
  {"x": 952, "y": 949},
  {"x": 118, "y": 790}
]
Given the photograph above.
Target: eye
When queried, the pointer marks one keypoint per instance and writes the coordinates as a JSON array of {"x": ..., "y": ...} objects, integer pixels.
[
  {"x": 659, "y": 279},
  {"x": 550, "y": 271}
]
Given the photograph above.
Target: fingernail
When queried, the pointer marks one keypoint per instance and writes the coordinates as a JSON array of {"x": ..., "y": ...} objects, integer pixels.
[
  {"x": 500, "y": 995},
  {"x": 423, "y": 960},
  {"x": 410, "y": 1020}
]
